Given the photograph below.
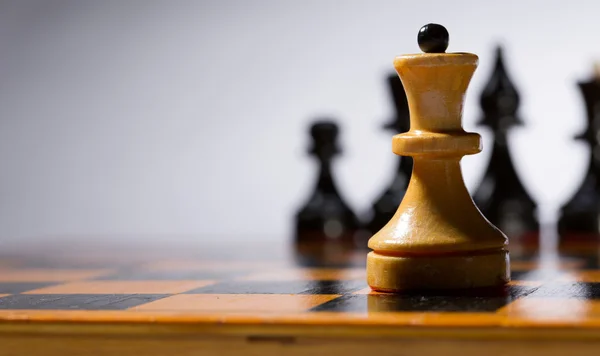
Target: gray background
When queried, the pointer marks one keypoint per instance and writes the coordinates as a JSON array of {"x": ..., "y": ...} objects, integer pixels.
[{"x": 164, "y": 118}]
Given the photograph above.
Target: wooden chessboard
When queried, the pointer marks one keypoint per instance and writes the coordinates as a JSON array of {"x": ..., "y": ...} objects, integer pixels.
[{"x": 156, "y": 301}]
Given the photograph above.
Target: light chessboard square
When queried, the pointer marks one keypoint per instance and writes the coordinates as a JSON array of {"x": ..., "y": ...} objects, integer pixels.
[{"x": 237, "y": 303}]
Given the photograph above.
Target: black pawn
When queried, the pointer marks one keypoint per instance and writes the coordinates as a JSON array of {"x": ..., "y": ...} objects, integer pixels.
[
  {"x": 501, "y": 197},
  {"x": 581, "y": 215},
  {"x": 325, "y": 217},
  {"x": 387, "y": 203}
]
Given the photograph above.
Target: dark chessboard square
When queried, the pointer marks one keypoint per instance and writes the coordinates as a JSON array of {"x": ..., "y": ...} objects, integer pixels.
[
  {"x": 353, "y": 303},
  {"x": 487, "y": 301},
  {"x": 398, "y": 303},
  {"x": 519, "y": 291},
  {"x": 535, "y": 275},
  {"x": 282, "y": 287},
  {"x": 74, "y": 265},
  {"x": 182, "y": 275},
  {"x": 335, "y": 287},
  {"x": 77, "y": 301},
  {"x": 20, "y": 287},
  {"x": 570, "y": 290}
]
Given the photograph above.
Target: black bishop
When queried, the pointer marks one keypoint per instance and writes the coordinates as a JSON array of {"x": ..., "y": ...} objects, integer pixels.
[{"x": 501, "y": 197}]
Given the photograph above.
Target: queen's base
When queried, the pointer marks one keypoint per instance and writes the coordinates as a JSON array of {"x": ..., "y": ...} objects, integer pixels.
[{"x": 386, "y": 273}]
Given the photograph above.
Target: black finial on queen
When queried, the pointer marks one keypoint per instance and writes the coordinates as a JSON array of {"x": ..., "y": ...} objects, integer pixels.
[{"x": 433, "y": 38}]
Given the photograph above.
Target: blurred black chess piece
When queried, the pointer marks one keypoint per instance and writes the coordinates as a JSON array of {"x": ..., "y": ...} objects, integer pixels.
[
  {"x": 387, "y": 203},
  {"x": 580, "y": 217},
  {"x": 326, "y": 217},
  {"x": 501, "y": 197}
]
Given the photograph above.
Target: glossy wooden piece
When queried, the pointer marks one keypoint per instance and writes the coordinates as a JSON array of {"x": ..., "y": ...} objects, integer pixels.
[{"x": 437, "y": 239}]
